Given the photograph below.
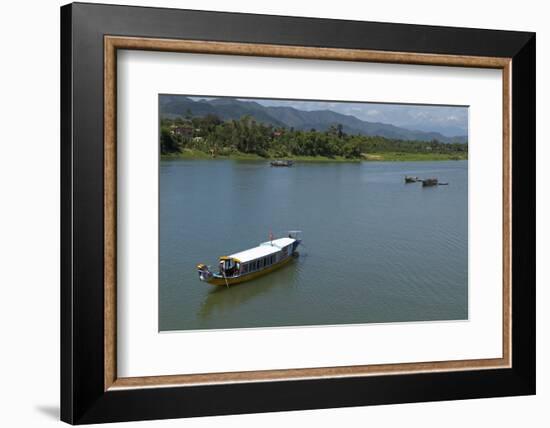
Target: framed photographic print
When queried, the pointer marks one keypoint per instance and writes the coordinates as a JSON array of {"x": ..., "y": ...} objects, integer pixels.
[{"x": 264, "y": 213}]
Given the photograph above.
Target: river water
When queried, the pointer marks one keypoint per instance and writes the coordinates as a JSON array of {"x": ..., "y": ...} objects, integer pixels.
[{"x": 376, "y": 250}]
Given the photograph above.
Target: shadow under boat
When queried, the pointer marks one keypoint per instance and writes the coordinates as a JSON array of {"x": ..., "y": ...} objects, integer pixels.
[{"x": 225, "y": 299}]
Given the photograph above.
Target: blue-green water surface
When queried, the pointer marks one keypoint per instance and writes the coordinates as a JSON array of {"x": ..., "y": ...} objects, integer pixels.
[{"x": 375, "y": 249}]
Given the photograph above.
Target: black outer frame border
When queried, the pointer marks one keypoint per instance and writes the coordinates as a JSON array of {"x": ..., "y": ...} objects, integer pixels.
[{"x": 83, "y": 399}]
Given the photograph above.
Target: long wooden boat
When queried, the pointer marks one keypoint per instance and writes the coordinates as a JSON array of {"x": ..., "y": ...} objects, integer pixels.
[{"x": 252, "y": 263}]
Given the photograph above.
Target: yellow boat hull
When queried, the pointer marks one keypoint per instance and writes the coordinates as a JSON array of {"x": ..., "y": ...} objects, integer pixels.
[{"x": 247, "y": 277}]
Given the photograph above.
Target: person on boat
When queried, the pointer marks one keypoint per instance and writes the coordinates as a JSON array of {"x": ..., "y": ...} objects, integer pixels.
[{"x": 229, "y": 268}]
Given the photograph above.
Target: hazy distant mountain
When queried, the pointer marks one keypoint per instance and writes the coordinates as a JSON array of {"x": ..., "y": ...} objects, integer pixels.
[{"x": 230, "y": 108}]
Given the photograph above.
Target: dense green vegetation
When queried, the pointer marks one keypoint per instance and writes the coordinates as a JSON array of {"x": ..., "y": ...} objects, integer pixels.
[{"x": 208, "y": 136}]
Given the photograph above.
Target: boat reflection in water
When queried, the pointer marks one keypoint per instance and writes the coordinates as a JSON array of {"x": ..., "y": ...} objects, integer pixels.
[{"x": 222, "y": 300}]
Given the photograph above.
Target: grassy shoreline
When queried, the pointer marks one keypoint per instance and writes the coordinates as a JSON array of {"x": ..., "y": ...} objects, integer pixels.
[
  {"x": 413, "y": 157},
  {"x": 371, "y": 157}
]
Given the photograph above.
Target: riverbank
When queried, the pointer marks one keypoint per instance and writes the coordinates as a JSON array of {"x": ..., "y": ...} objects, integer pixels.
[
  {"x": 380, "y": 157},
  {"x": 413, "y": 157}
]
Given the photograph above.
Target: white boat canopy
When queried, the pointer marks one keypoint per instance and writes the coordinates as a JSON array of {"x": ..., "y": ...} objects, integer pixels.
[{"x": 262, "y": 250}]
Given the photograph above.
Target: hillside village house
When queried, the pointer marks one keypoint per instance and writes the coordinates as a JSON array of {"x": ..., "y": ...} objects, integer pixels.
[{"x": 185, "y": 130}]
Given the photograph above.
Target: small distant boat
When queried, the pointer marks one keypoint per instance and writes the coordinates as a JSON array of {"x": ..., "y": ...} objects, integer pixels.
[
  {"x": 286, "y": 163},
  {"x": 430, "y": 182},
  {"x": 252, "y": 263},
  {"x": 411, "y": 179}
]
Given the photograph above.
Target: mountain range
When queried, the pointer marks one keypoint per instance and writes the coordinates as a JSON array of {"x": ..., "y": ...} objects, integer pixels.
[{"x": 172, "y": 106}]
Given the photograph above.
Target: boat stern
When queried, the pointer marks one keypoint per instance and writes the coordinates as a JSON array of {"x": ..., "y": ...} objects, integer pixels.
[
  {"x": 295, "y": 234},
  {"x": 295, "y": 245}
]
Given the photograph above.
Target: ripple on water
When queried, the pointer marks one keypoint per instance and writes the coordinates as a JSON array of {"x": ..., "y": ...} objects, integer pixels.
[{"x": 376, "y": 250}]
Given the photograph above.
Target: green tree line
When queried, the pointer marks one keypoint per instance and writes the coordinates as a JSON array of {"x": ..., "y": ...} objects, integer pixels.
[{"x": 211, "y": 135}]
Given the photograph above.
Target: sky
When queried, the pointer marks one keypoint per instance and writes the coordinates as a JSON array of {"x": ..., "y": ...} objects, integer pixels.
[{"x": 448, "y": 120}]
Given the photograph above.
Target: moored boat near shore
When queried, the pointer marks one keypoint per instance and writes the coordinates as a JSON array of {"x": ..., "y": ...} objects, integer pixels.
[
  {"x": 252, "y": 263},
  {"x": 286, "y": 163}
]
